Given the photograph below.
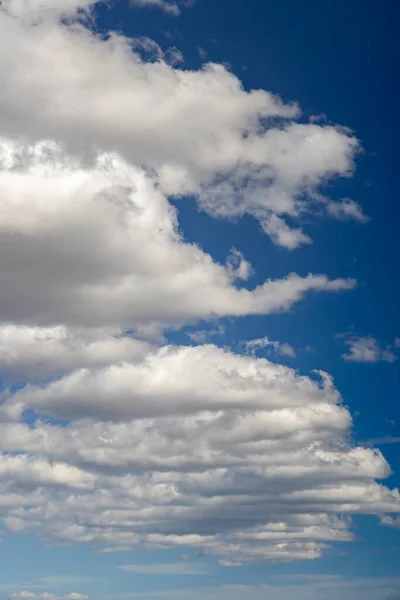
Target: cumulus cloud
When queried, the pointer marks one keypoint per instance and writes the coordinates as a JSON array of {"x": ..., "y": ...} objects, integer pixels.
[
  {"x": 200, "y": 132},
  {"x": 195, "y": 447},
  {"x": 36, "y": 472},
  {"x": 100, "y": 247},
  {"x": 367, "y": 350},
  {"x": 161, "y": 446},
  {"x": 175, "y": 380},
  {"x": 38, "y": 353},
  {"x": 38, "y": 11}
]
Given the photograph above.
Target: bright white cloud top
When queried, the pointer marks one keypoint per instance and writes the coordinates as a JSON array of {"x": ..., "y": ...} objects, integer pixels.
[
  {"x": 163, "y": 446},
  {"x": 100, "y": 246},
  {"x": 200, "y": 132}
]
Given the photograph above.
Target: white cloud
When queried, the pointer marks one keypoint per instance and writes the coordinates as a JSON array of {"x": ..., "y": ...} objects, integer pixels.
[
  {"x": 238, "y": 266},
  {"x": 38, "y": 11},
  {"x": 199, "y": 131},
  {"x": 303, "y": 587},
  {"x": 36, "y": 471},
  {"x": 56, "y": 581},
  {"x": 176, "y": 447},
  {"x": 282, "y": 235},
  {"x": 367, "y": 350},
  {"x": 189, "y": 434},
  {"x": 25, "y": 595},
  {"x": 390, "y": 521},
  {"x": 169, "y": 6},
  {"x": 38, "y": 353},
  {"x": 115, "y": 549},
  {"x": 150, "y": 51},
  {"x": 31, "y": 10},
  {"x": 166, "y": 569},
  {"x": 260, "y": 343},
  {"x": 389, "y": 439},
  {"x": 100, "y": 247},
  {"x": 201, "y": 336},
  {"x": 346, "y": 209},
  {"x": 175, "y": 380}
]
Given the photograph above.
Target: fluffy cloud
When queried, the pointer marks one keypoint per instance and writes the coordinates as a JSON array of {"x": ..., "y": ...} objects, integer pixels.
[
  {"x": 38, "y": 472},
  {"x": 53, "y": 9},
  {"x": 173, "y": 381},
  {"x": 367, "y": 350},
  {"x": 38, "y": 10},
  {"x": 195, "y": 447},
  {"x": 39, "y": 353},
  {"x": 199, "y": 132},
  {"x": 100, "y": 247}
]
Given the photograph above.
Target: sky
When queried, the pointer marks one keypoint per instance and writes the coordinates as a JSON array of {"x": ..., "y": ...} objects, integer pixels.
[{"x": 199, "y": 291}]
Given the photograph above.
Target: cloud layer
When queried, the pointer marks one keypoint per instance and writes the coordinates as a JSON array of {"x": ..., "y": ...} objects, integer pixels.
[
  {"x": 195, "y": 448},
  {"x": 26, "y": 595},
  {"x": 109, "y": 436}
]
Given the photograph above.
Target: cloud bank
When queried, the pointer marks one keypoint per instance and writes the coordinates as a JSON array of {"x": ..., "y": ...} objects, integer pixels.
[{"x": 109, "y": 436}]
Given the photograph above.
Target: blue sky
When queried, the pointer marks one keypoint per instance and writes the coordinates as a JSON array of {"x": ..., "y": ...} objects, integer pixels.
[{"x": 199, "y": 291}]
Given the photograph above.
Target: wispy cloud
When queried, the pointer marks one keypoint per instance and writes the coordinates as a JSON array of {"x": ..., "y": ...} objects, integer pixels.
[
  {"x": 323, "y": 587},
  {"x": 383, "y": 441},
  {"x": 282, "y": 349},
  {"x": 166, "y": 569},
  {"x": 367, "y": 350},
  {"x": 202, "y": 335}
]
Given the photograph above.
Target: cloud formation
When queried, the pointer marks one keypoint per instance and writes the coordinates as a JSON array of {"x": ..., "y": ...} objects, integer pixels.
[
  {"x": 279, "y": 587},
  {"x": 165, "y": 569},
  {"x": 172, "y": 7},
  {"x": 323, "y": 587},
  {"x": 100, "y": 247},
  {"x": 193, "y": 448},
  {"x": 282, "y": 349},
  {"x": 367, "y": 350},
  {"x": 26, "y": 595},
  {"x": 200, "y": 132},
  {"x": 109, "y": 436}
]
